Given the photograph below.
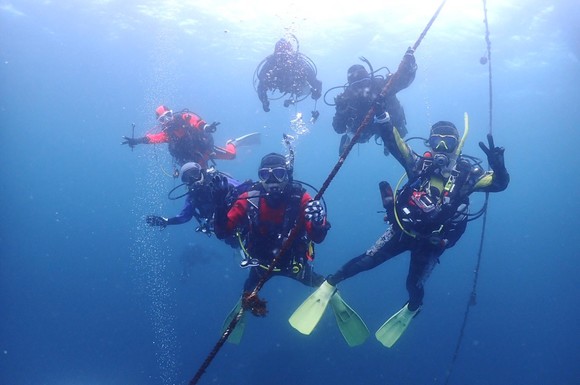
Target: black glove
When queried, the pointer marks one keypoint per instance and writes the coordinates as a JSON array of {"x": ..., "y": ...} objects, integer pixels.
[
  {"x": 266, "y": 106},
  {"x": 219, "y": 189},
  {"x": 132, "y": 142},
  {"x": 409, "y": 58},
  {"x": 494, "y": 154},
  {"x": 315, "y": 212},
  {"x": 211, "y": 128},
  {"x": 154, "y": 220}
]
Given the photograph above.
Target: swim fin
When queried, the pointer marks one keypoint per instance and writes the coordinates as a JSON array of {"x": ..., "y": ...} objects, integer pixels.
[
  {"x": 352, "y": 327},
  {"x": 306, "y": 317},
  {"x": 247, "y": 140},
  {"x": 236, "y": 335},
  {"x": 395, "y": 326}
]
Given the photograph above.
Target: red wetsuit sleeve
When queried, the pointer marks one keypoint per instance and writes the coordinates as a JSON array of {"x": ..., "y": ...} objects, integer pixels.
[
  {"x": 226, "y": 222},
  {"x": 237, "y": 213},
  {"x": 228, "y": 152},
  {"x": 160, "y": 137}
]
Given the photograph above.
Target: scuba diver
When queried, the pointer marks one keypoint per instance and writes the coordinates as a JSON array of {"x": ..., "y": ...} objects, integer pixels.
[
  {"x": 426, "y": 216},
  {"x": 267, "y": 213},
  {"x": 199, "y": 202},
  {"x": 190, "y": 138},
  {"x": 290, "y": 72},
  {"x": 362, "y": 89}
]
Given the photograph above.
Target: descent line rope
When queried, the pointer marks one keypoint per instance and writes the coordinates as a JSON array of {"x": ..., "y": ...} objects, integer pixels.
[{"x": 472, "y": 301}]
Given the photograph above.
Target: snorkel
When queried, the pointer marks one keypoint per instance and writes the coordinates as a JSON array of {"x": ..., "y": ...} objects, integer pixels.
[
  {"x": 452, "y": 159},
  {"x": 368, "y": 63}
]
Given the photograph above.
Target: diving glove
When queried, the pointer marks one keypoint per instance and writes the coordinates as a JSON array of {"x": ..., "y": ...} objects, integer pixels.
[
  {"x": 409, "y": 57},
  {"x": 315, "y": 212},
  {"x": 266, "y": 106},
  {"x": 219, "y": 189},
  {"x": 132, "y": 142},
  {"x": 211, "y": 128},
  {"x": 154, "y": 220},
  {"x": 494, "y": 154}
]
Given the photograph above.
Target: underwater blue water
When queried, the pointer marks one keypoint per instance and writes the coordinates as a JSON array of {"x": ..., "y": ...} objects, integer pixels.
[{"x": 90, "y": 295}]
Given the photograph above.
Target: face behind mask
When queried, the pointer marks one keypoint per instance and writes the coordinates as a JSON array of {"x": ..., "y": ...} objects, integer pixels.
[{"x": 443, "y": 143}]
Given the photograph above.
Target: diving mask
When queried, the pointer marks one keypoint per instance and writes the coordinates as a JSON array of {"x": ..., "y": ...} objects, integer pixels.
[
  {"x": 192, "y": 176},
  {"x": 443, "y": 143},
  {"x": 279, "y": 174},
  {"x": 165, "y": 117}
]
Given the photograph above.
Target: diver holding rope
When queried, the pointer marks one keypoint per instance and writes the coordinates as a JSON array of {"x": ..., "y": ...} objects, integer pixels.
[
  {"x": 264, "y": 215},
  {"x": 358, "y": 95}
]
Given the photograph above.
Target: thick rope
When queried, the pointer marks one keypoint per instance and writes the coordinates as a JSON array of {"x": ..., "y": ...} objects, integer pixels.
[
  {"x": 473, "y": 296},
  {"x": 217, "y": 347},
  {"x": 420, "y": 39},
  {"x": 299, "y": 225}
]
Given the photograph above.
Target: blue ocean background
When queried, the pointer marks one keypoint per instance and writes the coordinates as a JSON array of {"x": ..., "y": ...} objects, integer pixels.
[{"x": 90, "y": 295}]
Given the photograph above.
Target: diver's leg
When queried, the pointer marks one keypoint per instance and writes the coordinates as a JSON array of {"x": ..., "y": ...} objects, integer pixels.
[
  {"x": 389, "y": 245},
  {"x": 307, "y": 276},
  {"x": 423, "y": 261}
]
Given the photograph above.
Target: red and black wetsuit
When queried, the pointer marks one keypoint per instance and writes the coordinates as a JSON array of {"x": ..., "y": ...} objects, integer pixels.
[
  {"x": 266, "y": 227},
  {"x": 189, "y": 142}
]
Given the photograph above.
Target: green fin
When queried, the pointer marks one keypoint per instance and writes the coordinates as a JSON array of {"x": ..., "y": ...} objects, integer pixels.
[
  {"x": 236, "y": 335},
  {"x": 307, "y": 316},
  {"x": 248, "y": 139},
  {"x": 352, "y": 327},
  {"x": 395, "y": 326}
]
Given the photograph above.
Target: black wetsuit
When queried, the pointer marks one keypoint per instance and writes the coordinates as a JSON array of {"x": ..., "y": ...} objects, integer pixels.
[
  {"x": 354, "y": 103},
  {"x": 290, "y": 74},
  {"x": 426, "y": 234}
]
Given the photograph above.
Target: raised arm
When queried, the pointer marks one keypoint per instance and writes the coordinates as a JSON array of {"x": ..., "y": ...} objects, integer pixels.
[
  {"x": 405, "y": 73},
  {"x": 498, "y": 179}
]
